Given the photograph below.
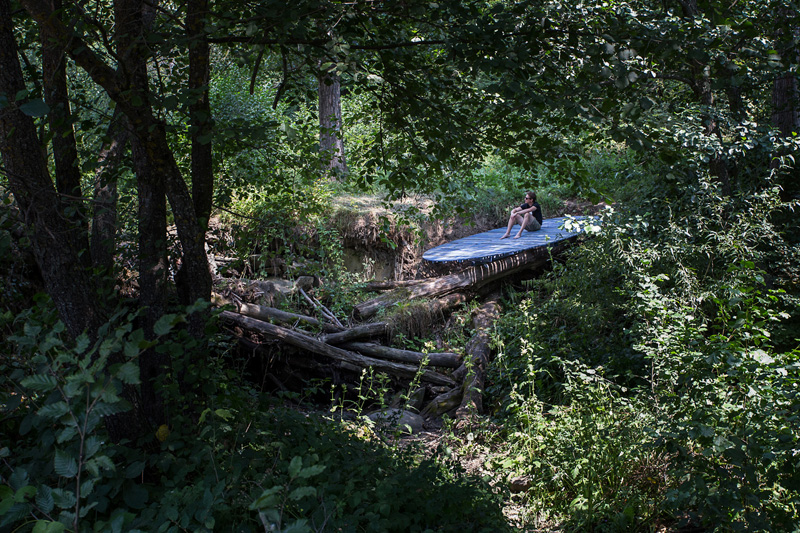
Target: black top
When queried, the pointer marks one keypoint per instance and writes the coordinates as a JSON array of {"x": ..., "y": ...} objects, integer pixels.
[{"x": 537, "y": 213}]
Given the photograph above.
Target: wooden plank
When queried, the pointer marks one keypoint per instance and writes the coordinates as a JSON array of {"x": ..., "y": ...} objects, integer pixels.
[
  {"x": 487, "y": 246},
  {"x": 471, "y": 277}
]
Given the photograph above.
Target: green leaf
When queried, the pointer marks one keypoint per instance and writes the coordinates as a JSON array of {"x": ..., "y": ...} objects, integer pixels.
[
  {"x": 66, "y": 434},
  {"x": 40, "y": 382},
  {"x": 44, "y": 499},
  {"x": 295, "y": 466},
  {"x": 54, "y": 411},
  {"x": 105, "y": 462},
  {"x": 18, "y": 479},
  {"x": 81, "y": 344},
  {"x": 64, "y": 464},
  {"x": 134, "y": 469},
  {"x": 302, "y": 492},
  {"x": 171, "y": 103},
  {"x": 46, "y": 526},
  {"x": 35, "y": 108},
  {"x": 165, "y": 323},
  {"x": 64, "y": 499},
  {"x": 268, "y": 499},
  {"x": 131, "y": 349},
  {"x": 135, "y": 496},
  {"x": 311, "y": 471},
  {"x": 92, "y": 467},
  {"x": 128, "y": 373},
  {"x": 223, "y": 414},
  {"x": 91, "y": 447},
  {"x": 6, "y": 499},
  {"x": 24, "y": 493}
]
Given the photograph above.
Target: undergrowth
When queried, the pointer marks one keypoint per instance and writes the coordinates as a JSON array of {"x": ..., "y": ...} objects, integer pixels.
[
  {"x": 235, "y": 462},
  {"x": 652, "y": 378}
]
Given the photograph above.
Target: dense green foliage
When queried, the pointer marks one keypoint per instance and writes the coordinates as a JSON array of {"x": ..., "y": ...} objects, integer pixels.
[
  {"x": 649, "y": 380},
  {"x": 234, "y": 463},
  {"x": 665, "y": 350}
]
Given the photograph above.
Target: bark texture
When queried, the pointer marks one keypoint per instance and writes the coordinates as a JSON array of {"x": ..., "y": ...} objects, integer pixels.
[
  {"x": 331, "y": 141},
  {"x": 57, "y": 250},
  {"x": 65, "y": 151},
  {"x": 200, "y": 123},
  {"x": 104, "y": 221}
]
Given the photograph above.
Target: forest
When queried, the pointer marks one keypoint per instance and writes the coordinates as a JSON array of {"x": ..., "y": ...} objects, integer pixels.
[{"x": 206, "y": 207}]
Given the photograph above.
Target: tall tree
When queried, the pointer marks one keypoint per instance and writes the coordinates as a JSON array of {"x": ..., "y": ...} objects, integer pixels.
[
  {"x": 200, "y": 120},
  {"x": 331, "y": 137},
  {"x": 56, "y": 247}
]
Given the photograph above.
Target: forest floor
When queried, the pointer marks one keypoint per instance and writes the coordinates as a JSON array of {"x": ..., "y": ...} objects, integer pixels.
[{"x": 366, "y": 226}]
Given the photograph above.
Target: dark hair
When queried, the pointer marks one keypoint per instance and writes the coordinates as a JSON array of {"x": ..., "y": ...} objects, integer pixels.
[{"x": 531, "y": 194}]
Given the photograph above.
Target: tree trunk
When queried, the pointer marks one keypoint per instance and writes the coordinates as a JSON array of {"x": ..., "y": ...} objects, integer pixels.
[
  {"x": 786, "y": 96},
  {"x": 478, "y": 353},
  {"x": 331, "y": 141},
  {"x": 262, "y": 312},
  {"x": 65, "y": 151},
  {"x": 152, "y": 215},
  {"x": 375, "y": 329},
  {"x": 194, "y": 277},
  {"x": 57, "y": 251},
  {"x": 104, "y": 221},
  {"x": 785, "y": 108},
  {"x": 200, "y": 123},
  {"x": 443, "y": 359}
]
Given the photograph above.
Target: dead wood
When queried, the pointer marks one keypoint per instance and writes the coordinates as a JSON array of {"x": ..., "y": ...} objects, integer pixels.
[
  {"x": 262, "y": 312},
  {"x": 418, "y": 319},
  {"x": 375, "y": 329},
  {"x": 443, "y": 403},
  {"x": 324, "y": 311},
  {"x": 265, "y": 292},
  {"x": 440, "y": 359},
  {"x": 477, "y": 357},
  {"x": 470, "y": 278},
  {"x": 313, "y": 345},
  {"x": 377, "y": 286}
]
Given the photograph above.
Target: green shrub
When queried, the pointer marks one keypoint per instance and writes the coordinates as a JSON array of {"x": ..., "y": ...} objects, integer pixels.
[
  {"x": 678, "y": 317},
  {"x": 226, "y": 460}
]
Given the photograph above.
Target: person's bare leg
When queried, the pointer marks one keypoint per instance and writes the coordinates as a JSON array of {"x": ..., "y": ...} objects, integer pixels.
[
  {"x": 513, "y": 219},
  {"x": 522, "y": 225}
]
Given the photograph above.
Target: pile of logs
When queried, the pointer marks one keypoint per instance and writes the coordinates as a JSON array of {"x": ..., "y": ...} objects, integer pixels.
[{"x": 453, "y": 382}]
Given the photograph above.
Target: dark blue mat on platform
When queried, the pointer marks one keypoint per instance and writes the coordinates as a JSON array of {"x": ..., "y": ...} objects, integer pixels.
[{"x": 487, "y": 246}]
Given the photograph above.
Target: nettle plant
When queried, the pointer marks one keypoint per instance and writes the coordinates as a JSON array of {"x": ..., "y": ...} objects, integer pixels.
[
  {"x": 56, "y": 395},
  {"x": 706, "y": 313}
]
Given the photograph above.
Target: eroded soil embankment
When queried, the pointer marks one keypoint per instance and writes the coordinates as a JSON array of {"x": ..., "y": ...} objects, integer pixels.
[{"x": 384, "y": 244}]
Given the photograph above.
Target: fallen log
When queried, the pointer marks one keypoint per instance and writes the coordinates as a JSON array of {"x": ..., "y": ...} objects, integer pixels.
[
  {"x": 374, "y": 329},
  {"x": 311, "y": 344},
  {"x": 477, "y": 357},
  {"x": 265, "y": 313},
  {"x": 377, "y": 286},
  {"x": 440, "y": 359},
  {"x": 469, "y": 278},
  {"x": 443, "y": 403}
]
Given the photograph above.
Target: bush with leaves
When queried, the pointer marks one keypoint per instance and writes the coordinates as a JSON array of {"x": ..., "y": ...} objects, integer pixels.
[
  {"x": 227, "y": 459},
  {"x": 684, "y": 307}
]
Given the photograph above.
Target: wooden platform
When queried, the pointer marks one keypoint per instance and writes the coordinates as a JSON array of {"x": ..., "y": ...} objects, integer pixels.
[{"x": 487, "y": 246}]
